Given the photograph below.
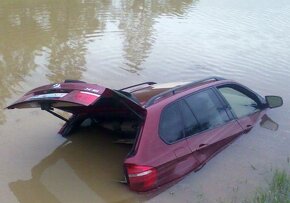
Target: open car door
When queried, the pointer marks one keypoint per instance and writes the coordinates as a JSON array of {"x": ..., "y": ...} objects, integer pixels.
[{"x": 81, "y": 99}]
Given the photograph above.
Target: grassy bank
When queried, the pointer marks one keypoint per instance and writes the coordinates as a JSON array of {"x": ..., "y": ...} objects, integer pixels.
[{"x": 278, "y": 190}]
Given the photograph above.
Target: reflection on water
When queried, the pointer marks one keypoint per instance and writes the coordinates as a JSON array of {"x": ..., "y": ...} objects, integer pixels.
[
  {"x": 137, "y": 23},
  {"x": 86, "y": 168},
  {"x": 40, "y": 35},
  {"x": 268, "y": 123},
  {"x": 16, "y": 51},
  {"x": 42, "y": 39}
]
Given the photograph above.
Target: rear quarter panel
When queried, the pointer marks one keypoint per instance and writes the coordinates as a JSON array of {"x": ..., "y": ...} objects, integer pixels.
[{"x": 172, "y": 161}]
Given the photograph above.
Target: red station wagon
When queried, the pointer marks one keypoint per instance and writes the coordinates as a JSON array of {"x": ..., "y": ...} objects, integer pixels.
[{"x": 175, "y": 128}]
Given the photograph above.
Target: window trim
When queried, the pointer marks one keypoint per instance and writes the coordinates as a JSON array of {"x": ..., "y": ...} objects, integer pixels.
[
  {"x": 183, "y": 119},
  {"x": 224, "y": 105},
  {"x": 212, "y": 88}
]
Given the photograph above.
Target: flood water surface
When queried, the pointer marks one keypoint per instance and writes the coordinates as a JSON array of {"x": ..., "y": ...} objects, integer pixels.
[
  {"x": 87, "y": 167},
  {"x": 119, "y": 43}
]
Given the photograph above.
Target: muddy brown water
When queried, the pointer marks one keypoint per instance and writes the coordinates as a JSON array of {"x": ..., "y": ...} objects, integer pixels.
[{"x": 119, "y": 43}]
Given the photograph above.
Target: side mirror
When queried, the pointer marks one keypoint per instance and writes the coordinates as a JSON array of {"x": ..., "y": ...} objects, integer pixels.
[{"x": 274, "y": 101}]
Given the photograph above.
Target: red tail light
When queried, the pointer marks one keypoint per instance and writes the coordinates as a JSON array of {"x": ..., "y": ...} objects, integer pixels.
[{"x": 141, "y": 178}]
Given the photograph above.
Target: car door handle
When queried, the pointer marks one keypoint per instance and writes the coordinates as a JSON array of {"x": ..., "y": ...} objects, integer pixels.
[
  {"x": 249, "y": 127},
  {"x": 201, "y": 146}
]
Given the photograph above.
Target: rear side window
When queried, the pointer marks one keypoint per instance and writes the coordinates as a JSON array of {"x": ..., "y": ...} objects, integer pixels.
[
  {"x": 208, "y": 109},
  {"x": 171, "y": 125}
]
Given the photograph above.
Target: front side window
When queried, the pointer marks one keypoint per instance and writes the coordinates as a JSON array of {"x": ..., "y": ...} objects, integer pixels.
[
  {"x": 171, "y": 125},
  {"x": 241, "y": 104},
  {"x": 208, "y": 109}
]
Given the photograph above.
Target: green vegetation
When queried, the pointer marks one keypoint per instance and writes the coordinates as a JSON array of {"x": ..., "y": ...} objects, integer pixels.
[{"x": 278, "y": 190}]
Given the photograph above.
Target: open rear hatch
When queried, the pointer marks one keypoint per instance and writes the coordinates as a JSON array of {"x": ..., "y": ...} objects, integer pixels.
[{"x": 81, "y": 99}]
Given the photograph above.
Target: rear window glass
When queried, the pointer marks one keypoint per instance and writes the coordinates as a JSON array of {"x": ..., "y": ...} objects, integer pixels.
[
  {"x": 208, "y": 109},
  {"x": 171, "y": 125}
]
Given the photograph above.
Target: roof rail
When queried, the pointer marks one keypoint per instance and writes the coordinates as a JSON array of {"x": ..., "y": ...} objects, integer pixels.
[
  {"x": 73, "y": 81},
  {"x": 179, "y": 88},
  {"x": 144, "y": 83}
]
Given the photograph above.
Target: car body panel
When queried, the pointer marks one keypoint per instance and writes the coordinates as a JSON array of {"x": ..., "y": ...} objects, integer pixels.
[
  {"x": 74, "y": 94},
  {"x": 248, "y": 122},
  {"x": 207, "y": 143}
]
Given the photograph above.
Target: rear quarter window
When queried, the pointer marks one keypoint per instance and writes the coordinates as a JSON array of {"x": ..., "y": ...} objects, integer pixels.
[{"x": 171, "y": 125}]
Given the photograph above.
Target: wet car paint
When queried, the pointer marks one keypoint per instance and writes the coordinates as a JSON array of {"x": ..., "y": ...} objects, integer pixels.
[{"x": 151, "y": 162}]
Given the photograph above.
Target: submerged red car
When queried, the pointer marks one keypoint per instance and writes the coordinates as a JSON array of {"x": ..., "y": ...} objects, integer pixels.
[{"x": 175, "y": 128}]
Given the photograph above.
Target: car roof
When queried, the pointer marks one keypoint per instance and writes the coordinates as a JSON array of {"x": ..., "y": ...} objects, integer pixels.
[
  {"x": 150, "y": 93},
  {"x": 145, "y": 93}
]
